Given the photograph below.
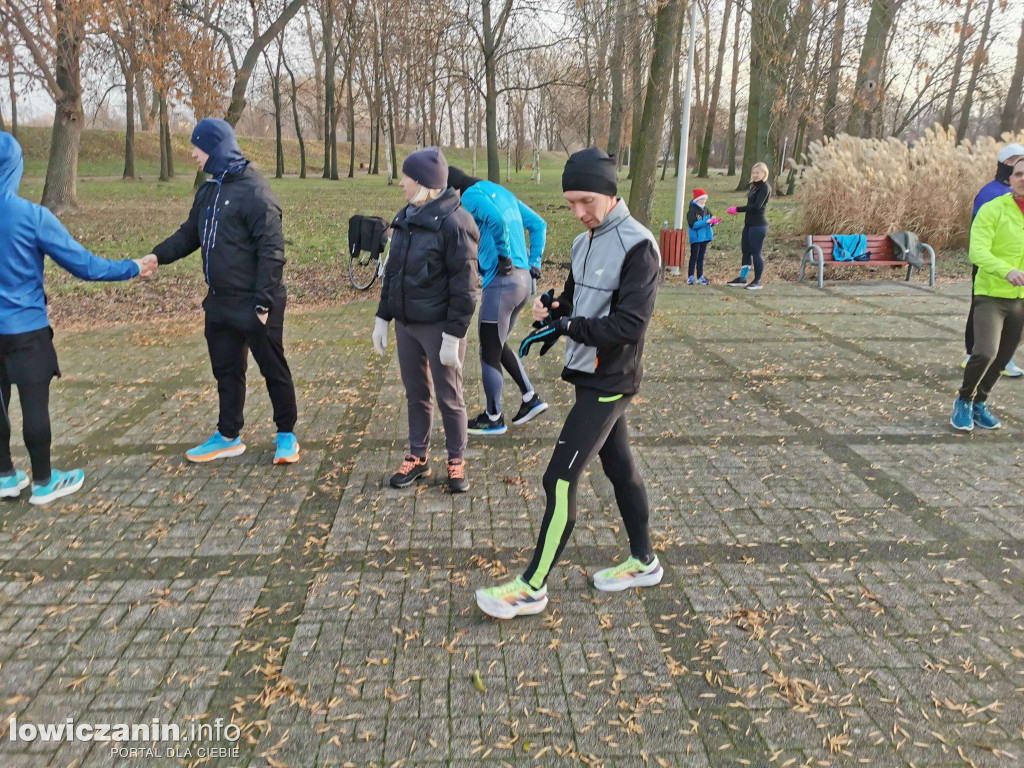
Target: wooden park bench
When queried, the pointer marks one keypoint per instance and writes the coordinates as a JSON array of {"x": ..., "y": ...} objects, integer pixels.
[{"x": 818, "y": 253}]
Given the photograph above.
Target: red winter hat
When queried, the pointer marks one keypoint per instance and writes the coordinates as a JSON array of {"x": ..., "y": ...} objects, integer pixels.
[{"x": 699, "y": 193}]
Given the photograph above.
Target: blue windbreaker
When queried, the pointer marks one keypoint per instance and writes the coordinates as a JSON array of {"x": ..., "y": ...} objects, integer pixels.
[
  {"x": 501, "y": 218},
  {"x": 27, "y": 233},
  {"x": 990, "y": 191}
]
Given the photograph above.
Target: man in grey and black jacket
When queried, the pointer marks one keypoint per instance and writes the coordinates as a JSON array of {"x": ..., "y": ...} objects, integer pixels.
[{"x": 604, "y": 311}]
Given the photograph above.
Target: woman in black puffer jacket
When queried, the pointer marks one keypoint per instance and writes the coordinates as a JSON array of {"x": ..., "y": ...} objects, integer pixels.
[
  {"x": 755, "y": 227},
  {"x": 430, "y": 289}
]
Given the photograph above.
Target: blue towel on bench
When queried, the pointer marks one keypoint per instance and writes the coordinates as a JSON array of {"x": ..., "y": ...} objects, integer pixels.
[{"x": 850, "y": 248}]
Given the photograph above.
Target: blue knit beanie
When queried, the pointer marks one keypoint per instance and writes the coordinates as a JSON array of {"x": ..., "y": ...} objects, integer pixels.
[{"x": 427, "y": 167}]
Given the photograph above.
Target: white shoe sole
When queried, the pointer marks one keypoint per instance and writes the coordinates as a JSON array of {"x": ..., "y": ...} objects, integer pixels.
[
  {"x": 67, "y": 491},
  {"x": 962, "y": 429},
  {"x": 487, "y": 432},
  {"x": 226, "y": 454},
  {"x": 620, "y": 585},
  {"x": 13, "y": 493},
  {"x": 499, "y": 609},
  {"x": 999, "y": 425},
  {"x": 535, "y": 412}
]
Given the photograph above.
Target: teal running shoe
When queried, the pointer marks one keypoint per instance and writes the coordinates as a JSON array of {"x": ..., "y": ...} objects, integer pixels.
[
  {"x": 12, "y": 485},
  {"x": 60, "y": 484}
]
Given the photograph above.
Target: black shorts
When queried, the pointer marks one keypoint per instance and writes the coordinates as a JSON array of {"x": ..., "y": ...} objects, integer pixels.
[{"x": 28, "y": 358}]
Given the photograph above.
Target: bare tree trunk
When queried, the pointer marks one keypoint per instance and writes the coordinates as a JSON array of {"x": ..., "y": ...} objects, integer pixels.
[
  {"x": 129, "y": 173},
  {"x": 958, "y": 62},
  {"x": 166, "y": 151},
  {"x": 1010, "y": 119},
  {"x": 709, "y": 126},
  {"x": 618, "y": 64},
  {"x": 767, "y": 18},
  {"x": 11, "y": 90},
  {"x": 350, "y": 102},
  {"x": 869, "y": 90},
  {"x": 638, "y": 96},
  {"x": 298, "y": 124},
  {"x": 60, "y": 188},
  {"x": 141, "y": 100},
  {"x": 330, "y": 119},
  {"x": 829, "y": 121},
  {"x": 641, "y": 194},
  {"x": 730, "y": 144},
  {"x": 318, "y": 81},
  {"x": 980, "y": 56}
]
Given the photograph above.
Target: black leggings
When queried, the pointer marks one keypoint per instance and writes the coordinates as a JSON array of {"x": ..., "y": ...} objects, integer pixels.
[
  {"x": 35, "y": 428},
  {"x": 751, "y": 243},
  {"x": 596, "y": 425},
  {"x": 496, "y": 354},
  {"x": 696, "y": 263},
  {"x": 969, "y": 328}
]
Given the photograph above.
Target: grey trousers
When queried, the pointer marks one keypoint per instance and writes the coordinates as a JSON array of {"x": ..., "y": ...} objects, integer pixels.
[
  {"x": 998, "y": 324},
  {"x": 419, "y": 350}
]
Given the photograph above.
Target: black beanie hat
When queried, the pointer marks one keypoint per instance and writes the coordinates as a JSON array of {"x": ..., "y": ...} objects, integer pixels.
[
  {"x": 591, "y": 170},
  {"x": 427, "y": 167},
  {"x": 460, "y": 180}
]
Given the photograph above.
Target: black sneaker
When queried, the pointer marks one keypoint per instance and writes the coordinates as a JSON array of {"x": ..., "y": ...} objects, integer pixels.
[
  {"x": 739, "y": 282},
  {"x": 484, "y": 425},
  {"x": 457, "y": 481},
  {"x": 528, "y": 410},
  {"x": 754, "y": 285},
  {"x": 411, "y": 470}
]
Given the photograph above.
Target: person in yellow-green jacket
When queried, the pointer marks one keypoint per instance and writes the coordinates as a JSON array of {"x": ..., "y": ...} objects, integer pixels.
[{"x": 997, "y": 248}]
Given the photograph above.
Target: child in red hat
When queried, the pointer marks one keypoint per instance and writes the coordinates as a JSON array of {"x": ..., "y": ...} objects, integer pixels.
[{"x": 699, "y": 223}]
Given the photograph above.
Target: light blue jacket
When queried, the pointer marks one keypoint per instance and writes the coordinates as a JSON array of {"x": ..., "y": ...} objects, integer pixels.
[
  {"x": 502, "y": 219},
  {"x": 27, "y": 233}
]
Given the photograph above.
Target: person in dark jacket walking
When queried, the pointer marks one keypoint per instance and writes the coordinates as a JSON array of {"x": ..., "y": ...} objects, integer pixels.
[
  {"x": 430, "y": 287},
  {"x": 506, "y": 269},
  {"x": 235, "y": 222},
  {"x": 28, "y": 360},
  {"x": 755, "y": 228},
  {"x": 604, "y": 311},
  {"x": 999, "y": 186}
]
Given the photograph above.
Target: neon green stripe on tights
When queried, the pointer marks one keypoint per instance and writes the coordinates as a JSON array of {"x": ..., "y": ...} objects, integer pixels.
[
  {"x": 609, "y": 399},
  {"x": 559, "y": 519}
]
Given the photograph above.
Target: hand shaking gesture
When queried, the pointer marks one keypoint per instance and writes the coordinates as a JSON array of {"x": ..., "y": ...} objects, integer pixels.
[{"x": 147, "y": 265}]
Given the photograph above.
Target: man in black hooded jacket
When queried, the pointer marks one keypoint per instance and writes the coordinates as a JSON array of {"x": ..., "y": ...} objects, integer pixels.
[{"x": 235, "y": 221}]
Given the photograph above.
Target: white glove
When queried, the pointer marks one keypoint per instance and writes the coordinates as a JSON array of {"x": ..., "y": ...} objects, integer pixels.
[
  {"x": 380, "y": 335},
  {"x": 450, "y": 351}
]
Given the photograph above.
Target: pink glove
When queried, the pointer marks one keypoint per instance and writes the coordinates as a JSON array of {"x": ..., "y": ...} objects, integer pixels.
[
  {"x": 731, "y": 211},
  {"x": 713, "y": 220}
]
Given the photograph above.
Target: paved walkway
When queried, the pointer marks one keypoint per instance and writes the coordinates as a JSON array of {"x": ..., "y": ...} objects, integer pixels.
[{"x": 844, "y": 583}]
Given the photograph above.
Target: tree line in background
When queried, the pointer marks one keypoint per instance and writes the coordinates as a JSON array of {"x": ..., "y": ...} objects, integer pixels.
[{"x": 515, "y": 77}]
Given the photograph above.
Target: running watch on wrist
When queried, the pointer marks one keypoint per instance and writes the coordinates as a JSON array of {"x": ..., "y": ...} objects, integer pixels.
[{"x": 261, "y": 310}]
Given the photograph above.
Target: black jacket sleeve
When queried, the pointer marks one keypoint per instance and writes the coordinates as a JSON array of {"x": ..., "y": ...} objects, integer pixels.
[
  {"x": 183, "y": 242},
  {"x": 461, "y": 244},
  {"x": 564, "y": 299},
  {"x": 263, "y": 217},
  {"x": 691, "y": 216},
  {"x": 759, "y": 203},
  {"x": 627, "y": 322}
]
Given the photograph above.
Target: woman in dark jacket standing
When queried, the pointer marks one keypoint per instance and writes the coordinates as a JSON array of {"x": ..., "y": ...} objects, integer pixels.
[
  {"x": 430, "y": 289},
  {"x": 755, "y": 227}
]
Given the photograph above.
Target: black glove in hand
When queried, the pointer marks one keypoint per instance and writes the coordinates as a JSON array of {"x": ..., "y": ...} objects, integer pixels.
[
  {"x": 505, "y": 266},
  {"x": 547, "y": 333},
  {"x": 535, "y": 273}
]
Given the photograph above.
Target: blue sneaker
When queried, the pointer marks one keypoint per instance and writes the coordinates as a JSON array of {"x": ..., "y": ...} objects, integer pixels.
[
  {"x": 13, "y": 485},
  {"x": 689, "y": 280},
  {"x": 962, "y": 417},
  {"x": 485, "y": 425},
  {"x": 61, "y": 484},
  {"x": 217, "y": 447},
  {"x": 1012, "y": 370},
  {"x": 983, "y": 417},
  {"x": 287, "y": 448},
  {"x": 702, "y": 280}
]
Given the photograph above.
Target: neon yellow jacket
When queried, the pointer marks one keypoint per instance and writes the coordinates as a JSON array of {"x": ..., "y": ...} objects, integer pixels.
[{"x": 997, "y": 247}]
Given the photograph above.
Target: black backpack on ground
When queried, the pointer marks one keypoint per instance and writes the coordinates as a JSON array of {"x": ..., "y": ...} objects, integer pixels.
[{"x": 367, "y": 233}]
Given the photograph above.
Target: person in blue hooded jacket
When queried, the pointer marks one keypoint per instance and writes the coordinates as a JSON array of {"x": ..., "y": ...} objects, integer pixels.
[
  {"x": 235, "y": 222},
  {"x": 28, "y": 233},
  {"x": 506, "y": 272}
]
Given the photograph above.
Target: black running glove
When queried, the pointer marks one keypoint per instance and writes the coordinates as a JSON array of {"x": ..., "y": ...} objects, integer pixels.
[{"x": 547, "y": 333}]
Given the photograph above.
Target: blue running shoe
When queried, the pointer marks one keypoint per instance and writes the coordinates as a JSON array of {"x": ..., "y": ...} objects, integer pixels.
[
  {"x": 702, "y": 280},
  {"x": 287, "y": 448},
  {"x": 485, "y": 425},
  {"x": 12, "y": 485},
  {"x": 61, "y": 484},
  {"x": 1012, "y": 370},
  {"x": 983, "y": 417},
  {"x": 689, "y": 280},
  {"x": 217, "y": 447},
  {"x": 962, "y": 417}
]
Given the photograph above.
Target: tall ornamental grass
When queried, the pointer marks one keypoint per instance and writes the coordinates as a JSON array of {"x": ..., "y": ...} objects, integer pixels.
[{"x": 880, "y": 186}]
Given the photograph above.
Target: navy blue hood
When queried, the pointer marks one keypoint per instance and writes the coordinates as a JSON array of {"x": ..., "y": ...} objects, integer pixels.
[{"x": 217, "y": 139}]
